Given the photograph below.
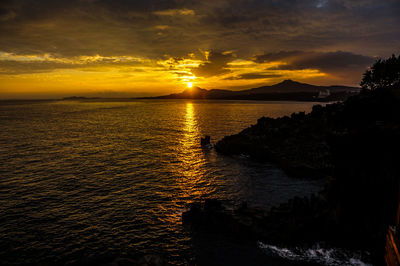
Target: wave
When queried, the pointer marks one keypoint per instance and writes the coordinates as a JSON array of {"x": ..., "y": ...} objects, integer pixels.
[{"x": 316, "y": 254}]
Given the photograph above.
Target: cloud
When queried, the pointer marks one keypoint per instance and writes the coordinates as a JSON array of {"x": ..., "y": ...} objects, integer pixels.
[
  {"x": 11, "y": 64},
  {"x": 215, "y": 65},
  {"x": 157, "y": 30},
  {"x": 75, "y": 28},
  {"x": 255, "y": 75},
  {"x": 161, "y": 27},
  {"x": 337, "y": 62},
  {"x": 174, "y": 12},
  {"x": 120, "y": 27},
  {"x": 288, "y": 25},
  {"x": 279, "y": 56}
]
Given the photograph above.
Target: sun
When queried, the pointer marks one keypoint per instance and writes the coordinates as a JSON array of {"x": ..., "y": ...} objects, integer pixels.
[{"x": 189, "y": 84}]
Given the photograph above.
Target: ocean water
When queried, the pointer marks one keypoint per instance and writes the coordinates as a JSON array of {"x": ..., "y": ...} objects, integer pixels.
[{"x": 90, "y": 181}]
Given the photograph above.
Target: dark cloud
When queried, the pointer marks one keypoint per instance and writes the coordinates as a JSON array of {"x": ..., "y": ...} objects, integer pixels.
[
  {"x": 74, "y": 28},
  {"x": 328, "y": 62},
  {"x": 215, "y": 65},
  {"x": 10, "y": 67},
  {"x": 156, "y": 28},
  {"x": 254, "y": 76},
  {"x": 334, "y": 61},
  {"x": 115, "y": 27},
  {"x": 308, "y": 24},
  {"x": 279, "y": 56}
]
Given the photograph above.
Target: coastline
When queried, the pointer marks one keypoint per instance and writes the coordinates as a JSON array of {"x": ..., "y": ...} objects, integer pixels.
[{"x": 351, "y": 144}]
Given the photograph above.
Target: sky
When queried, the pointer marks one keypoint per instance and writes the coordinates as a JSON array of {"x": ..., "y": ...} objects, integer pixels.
[{"x": 128, "y": 48}]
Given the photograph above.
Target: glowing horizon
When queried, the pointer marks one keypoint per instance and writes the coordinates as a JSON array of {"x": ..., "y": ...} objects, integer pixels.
[
  {"x": 125, "y": 49},
  {"x": 133, "y": 76}
]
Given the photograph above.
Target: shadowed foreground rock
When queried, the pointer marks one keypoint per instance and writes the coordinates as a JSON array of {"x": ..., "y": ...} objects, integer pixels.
[
  {"x": 283, "y": 225},
  {"x": 357, "y": 143},
  {"x": 299, "y": 143}
]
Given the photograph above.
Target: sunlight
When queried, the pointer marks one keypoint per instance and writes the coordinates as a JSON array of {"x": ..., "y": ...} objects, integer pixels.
[
  {"x": 189, "y": 85},
  {"x": 191, "y": 168},
  {"x": 191, "y": 131}
]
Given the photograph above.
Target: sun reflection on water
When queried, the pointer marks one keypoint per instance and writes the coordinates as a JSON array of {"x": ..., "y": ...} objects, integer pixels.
[
  {"x": 192, "y": 168},
  {"x": 190, "y": 127},
  {"x": 189, "y": 168}
]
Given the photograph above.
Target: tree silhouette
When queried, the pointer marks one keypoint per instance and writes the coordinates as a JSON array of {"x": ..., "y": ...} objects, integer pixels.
[{"x": 383, "y": 74}]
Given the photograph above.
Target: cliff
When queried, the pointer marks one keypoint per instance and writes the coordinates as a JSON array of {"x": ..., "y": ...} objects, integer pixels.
[{"x": 355, "y": 143}]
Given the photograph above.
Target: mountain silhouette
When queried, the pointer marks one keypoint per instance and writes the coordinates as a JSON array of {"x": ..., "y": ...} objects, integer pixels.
[{"x": 285, "y": 90}]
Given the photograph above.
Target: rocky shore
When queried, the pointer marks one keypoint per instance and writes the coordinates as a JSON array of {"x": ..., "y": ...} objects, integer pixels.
[
  {"x": 354, "y": 144},
  {"x": 298, "y": 144}
]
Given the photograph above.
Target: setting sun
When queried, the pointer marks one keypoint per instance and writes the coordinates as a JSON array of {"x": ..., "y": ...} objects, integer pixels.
[{"x": 189, "y": 84}]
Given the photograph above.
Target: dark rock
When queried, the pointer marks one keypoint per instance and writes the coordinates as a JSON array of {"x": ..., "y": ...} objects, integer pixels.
[
  {"x": 299, "y": 143},
  {"x": 205, "y": 141},
  {"x": 356, "y": 144}
]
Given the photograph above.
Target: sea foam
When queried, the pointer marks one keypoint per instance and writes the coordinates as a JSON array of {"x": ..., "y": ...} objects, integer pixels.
[{"x": 316, "y": 254}]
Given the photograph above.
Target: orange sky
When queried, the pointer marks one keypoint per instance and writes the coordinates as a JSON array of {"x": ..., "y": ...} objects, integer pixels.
[
  {"x": 140, "y": 48},
  {"x": 132, "y": 76}
]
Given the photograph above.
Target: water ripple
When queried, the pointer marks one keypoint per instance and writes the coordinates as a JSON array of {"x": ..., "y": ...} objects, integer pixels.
[{"x": 101, "y": 179}]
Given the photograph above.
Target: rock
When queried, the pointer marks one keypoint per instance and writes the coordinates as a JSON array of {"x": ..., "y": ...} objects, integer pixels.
[
  {"x": 341, "y": 141},
  {"x": 205, "y": 141}
]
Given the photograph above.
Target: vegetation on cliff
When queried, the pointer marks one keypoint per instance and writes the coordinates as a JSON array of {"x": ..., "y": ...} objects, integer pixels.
[{"x": 383, "y": 74}]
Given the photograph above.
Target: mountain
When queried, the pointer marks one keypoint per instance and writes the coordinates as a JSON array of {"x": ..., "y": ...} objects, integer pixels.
[
  {"x": 294, "y": 86},
  {"x": 285, "y": 90}
]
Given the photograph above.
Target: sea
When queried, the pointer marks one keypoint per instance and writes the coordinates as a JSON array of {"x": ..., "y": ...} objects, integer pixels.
[{"x": 105, "y": 182}]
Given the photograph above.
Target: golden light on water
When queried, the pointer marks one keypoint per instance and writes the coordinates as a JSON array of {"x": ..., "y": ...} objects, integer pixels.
[
  {"x": 191, "y": 133},
  {"x": 191, "y": 182}
]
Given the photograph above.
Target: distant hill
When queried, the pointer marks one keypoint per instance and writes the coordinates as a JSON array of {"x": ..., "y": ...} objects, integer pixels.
[
  {"x": 286, "y": 90},
  {"x": 74, "y": 98}
]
